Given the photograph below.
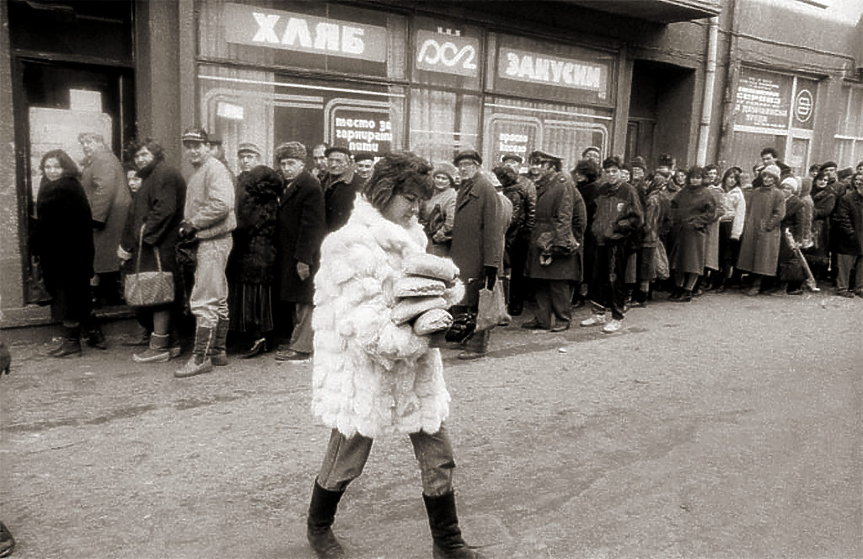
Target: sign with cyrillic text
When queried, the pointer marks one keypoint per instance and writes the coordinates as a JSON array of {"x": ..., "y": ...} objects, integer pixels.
[
  {"x": 538, "y": 68},
  {"x": 250, "y": 25}
]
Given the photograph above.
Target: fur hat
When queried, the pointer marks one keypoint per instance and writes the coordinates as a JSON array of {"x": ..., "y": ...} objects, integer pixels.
[
  {"x": 467, "y": 154},
  {"x": 444, "y": 168},
  {"x": 772, "y": 170},
  {"x": 791, "y": 181},
  {"x": 639, "y": 162},
  {"x": 291, "y": 150},
  {"x": 337, "y": 149}
]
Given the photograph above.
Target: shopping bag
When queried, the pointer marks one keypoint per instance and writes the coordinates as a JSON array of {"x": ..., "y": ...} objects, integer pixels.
[
  {"x": 492, "y": 308},
  {"x": 660, "y": 259},
  {"x": 146, "y": 289}
]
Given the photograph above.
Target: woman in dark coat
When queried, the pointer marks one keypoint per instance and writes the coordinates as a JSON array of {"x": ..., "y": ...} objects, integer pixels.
[
  {"x": 848, "y": 234},
  {"x": 692, "y": 210},
  {"x": 63, "y": 242},
  {"x": 251, "y": 265},
  {"x": 824, "y": 200},
  {"x": 152, "y": 228},
  {"x": 790, "y": 269}
]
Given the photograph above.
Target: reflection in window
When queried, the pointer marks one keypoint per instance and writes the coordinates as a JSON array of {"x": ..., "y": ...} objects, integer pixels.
[
  {"x": 848, "y": 144},
  {"x": 442, "y": 123}
]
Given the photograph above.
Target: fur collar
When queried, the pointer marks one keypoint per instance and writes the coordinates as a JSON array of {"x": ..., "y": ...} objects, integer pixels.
[{"x": 390, "y": 236}]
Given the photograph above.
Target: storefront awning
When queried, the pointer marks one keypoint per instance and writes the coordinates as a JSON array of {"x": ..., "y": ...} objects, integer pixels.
[{"x": 659, "y": 11}]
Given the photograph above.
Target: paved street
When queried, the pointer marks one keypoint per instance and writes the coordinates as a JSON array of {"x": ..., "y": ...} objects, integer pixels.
[{"x": 729, "y": 427}]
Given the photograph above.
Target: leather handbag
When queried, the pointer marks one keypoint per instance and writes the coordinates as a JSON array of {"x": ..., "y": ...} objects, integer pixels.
[{"x": 146, "y": 289}]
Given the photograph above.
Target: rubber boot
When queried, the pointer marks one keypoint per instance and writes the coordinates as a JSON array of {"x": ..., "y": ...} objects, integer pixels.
[
  {"x": 322, "y": 514},
  {"x": 218, "y": 352},
  {"x": 157, "y": 352},
  {"x": 199, "y": 363},
  {"x": 71, "y": 343},
  {"x": 443, "y": 521},
  {"x": 476, "y": 346}
]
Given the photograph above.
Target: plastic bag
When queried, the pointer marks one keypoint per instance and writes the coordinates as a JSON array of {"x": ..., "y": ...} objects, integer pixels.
[
  {"x": 661, "y": 262},
  {"x": 492, "y": 308}
]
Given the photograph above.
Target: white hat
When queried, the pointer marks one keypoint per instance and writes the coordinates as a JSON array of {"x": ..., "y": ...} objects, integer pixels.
[{"x": 772, "y": 170}]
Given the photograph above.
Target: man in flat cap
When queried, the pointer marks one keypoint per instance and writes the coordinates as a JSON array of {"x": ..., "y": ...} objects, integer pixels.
[
  {"x": 518, "y": 287},
  {"x": 209, "y": 217},
  {"x": 554, "y": 259},
  {"x": 365, "y": 162},
  {"x": 248, "y": 156},
  {"x": 300, "y": 230},
  {"x": 341, "y": 186},
  {"x": 477, "y": 240}
]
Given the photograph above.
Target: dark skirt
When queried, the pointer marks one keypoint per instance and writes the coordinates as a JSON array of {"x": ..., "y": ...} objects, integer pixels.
[
  {"x": 729, "y": 249},
  {"x": 72, "y": 300},
  {"x": 251, "y": 307}
]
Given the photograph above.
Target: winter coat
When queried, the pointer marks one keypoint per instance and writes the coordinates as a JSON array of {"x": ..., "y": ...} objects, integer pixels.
[
  {"x": 711, "y": 243},
  {"x": 734, "y": 208},
  {"x": 339, "y": 194},
  {"x": 528, "y": 190},
  {"x": 210, "y": 200},
  {"x": 104, "y": 181},
  {"x": 300, "y": 230},
  {"x": 552, "y": 234},
  {"x": 517, "y": 195},
  {"x": 618, "y": 214},
  {"x": 437, "y": 215},
  {"x": 848, "y": 224},
  {"x": 790, "y": 267},
  {"x": 158, "y": 208},
  {"x": 653, "y": 218},
  {"x": 370, "y": 375},
  {"x": 759, "y": 245},
  {"x": 692, "y": 211},
  {"x": 253, "y": 254},
  {"x": 63, "y": 241},
  {"x": 477, "y": 234},
  {"x": 824, "y": 202}
]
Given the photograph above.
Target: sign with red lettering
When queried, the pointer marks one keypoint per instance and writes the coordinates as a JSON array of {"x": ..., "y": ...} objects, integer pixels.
[
  {"x": 448, "y": 53},
  {"x": 250, "y": 25},
  {"x": 515, "y": 64}
]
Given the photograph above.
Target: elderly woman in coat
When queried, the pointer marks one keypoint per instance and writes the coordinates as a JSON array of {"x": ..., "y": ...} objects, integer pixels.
[
  {"x": 693, "y": 209},
  {"x": 759, "y": 246},
  {"x": 437, "y": 214},
  {"x": 374, "y": 375}
]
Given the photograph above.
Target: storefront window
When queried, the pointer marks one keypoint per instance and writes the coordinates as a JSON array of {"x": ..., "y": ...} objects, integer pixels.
[
  {"x": 521, "y": 126},
  {"x": 321, "y": 36},
  {"x": 268, "y": 109},
  {"x": 848, "y": 144},
  {"x": 442, "y": 123}
]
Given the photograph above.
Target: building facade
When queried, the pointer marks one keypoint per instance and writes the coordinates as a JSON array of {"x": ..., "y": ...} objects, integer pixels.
[{"x": 699, "y": 79}]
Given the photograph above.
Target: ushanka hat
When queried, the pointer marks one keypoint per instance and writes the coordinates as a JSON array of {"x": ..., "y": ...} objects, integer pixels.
[{"x": 291, "y": 150}]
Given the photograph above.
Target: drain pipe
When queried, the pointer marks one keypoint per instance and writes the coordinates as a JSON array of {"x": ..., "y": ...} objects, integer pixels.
[{"x": 709, "y": 83}]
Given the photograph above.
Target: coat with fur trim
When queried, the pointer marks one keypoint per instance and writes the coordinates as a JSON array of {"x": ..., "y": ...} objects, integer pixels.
[{"x": 372, "y": 376}]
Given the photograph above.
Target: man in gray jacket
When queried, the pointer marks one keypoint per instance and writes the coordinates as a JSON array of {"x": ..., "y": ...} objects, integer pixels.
[{"x": 208, "y": 217}]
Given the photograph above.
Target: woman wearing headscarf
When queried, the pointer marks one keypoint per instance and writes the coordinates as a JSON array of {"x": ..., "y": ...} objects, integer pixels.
[
  {"x": 375, "y": 375},
  {"x": 63, "y": 242},
  {"x": 790, "y": 269}
]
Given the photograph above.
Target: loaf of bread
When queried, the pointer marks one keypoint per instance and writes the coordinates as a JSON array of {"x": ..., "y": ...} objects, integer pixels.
[
  {"x": 432, "y": 321},
  {"x": 417, "y": 286},
  {"x": 410, "y": 308},
  {"x": 430, "y": 266}
]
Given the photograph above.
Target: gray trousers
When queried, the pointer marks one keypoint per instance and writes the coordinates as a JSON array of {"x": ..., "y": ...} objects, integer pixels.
[{"x": 346, "y": 458}]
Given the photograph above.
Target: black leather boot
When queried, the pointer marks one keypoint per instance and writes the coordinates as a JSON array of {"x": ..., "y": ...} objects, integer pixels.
[
  {"x": 71, "y": 343},
  {"x": 218, "y": 352},
  {"x": 443, "y": 521},
  {"x": 322, "y": 514}
]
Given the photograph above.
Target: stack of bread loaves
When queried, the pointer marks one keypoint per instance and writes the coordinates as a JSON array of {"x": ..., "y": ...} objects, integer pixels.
[{"x": 422, "y": 293}]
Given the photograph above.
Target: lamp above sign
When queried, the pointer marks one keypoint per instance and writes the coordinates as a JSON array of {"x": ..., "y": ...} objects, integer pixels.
[{"x": 250, "y": 25}]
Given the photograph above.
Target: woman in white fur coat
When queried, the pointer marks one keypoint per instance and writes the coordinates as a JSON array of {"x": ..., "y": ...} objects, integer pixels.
[{"x": 373, "y": 376}]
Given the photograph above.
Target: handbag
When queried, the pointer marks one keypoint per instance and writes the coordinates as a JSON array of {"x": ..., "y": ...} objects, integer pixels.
[{"x": 145, "y": 289}]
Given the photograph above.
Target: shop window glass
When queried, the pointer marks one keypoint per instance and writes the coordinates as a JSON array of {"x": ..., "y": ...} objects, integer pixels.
[
  {"x": 553, "y": 71},
  {"x": 848, "y": 143},
  {"x": 442, "y": 123},
  {"x": 446, "y": 54},
  {"x": 320, "y": 36},
  {"x": 268, "y": 109},
  {"x": 521, "y": 126}
]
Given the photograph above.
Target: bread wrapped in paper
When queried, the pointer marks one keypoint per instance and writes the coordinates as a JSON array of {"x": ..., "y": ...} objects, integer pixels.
[
  {"x": 430, "y": 266},
  {"x": 432, "y": 321},
  {"x": 418, "y": 286},
  {"x": 408, "y": 309}
]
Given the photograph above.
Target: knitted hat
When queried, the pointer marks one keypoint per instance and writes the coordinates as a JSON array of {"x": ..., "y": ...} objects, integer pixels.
[
  {"x": 291, "y": 150},
  {"x": 445, "y": 168},
  {"x": 791, "y": 182},
  {"x": 772, "y": 170}
]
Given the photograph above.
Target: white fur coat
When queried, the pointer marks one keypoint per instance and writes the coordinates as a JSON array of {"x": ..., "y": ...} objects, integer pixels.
[{"x": 370, "y": 375}]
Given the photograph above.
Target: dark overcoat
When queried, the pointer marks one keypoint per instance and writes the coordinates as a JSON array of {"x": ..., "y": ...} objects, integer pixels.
[
  {"x": 759, "y": 245},
  {"x": 104, "y": 182},
  {"x": 477, "y": 238},
  {"x": 552, "y": 233},
  {"x": 790, "y": 268},
  {"x": 848, "y": 224},
  {"x": 692, "y": 211},
  {"x": 63, "y": 241},
  {"x": 158, "y": 208},
  {"x": 300, "y": 230},
  {"x": 253, "y": 255},
  {"x": 339, "y": 199},
  {"x": 823, "y": 200}
]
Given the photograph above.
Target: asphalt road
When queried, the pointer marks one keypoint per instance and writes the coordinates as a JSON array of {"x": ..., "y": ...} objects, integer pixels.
[{"x": 730, "y": 427}]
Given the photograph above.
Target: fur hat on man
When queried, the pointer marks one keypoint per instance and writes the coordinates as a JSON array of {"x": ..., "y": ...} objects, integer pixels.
[{"x": 291, "y": 150}]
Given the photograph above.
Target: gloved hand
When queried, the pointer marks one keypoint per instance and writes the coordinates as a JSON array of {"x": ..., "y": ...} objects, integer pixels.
[
  {"x": 490, "y": 277},
  {"x": 187, "y": 230},
  {"x": 303, "y": 271}
]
